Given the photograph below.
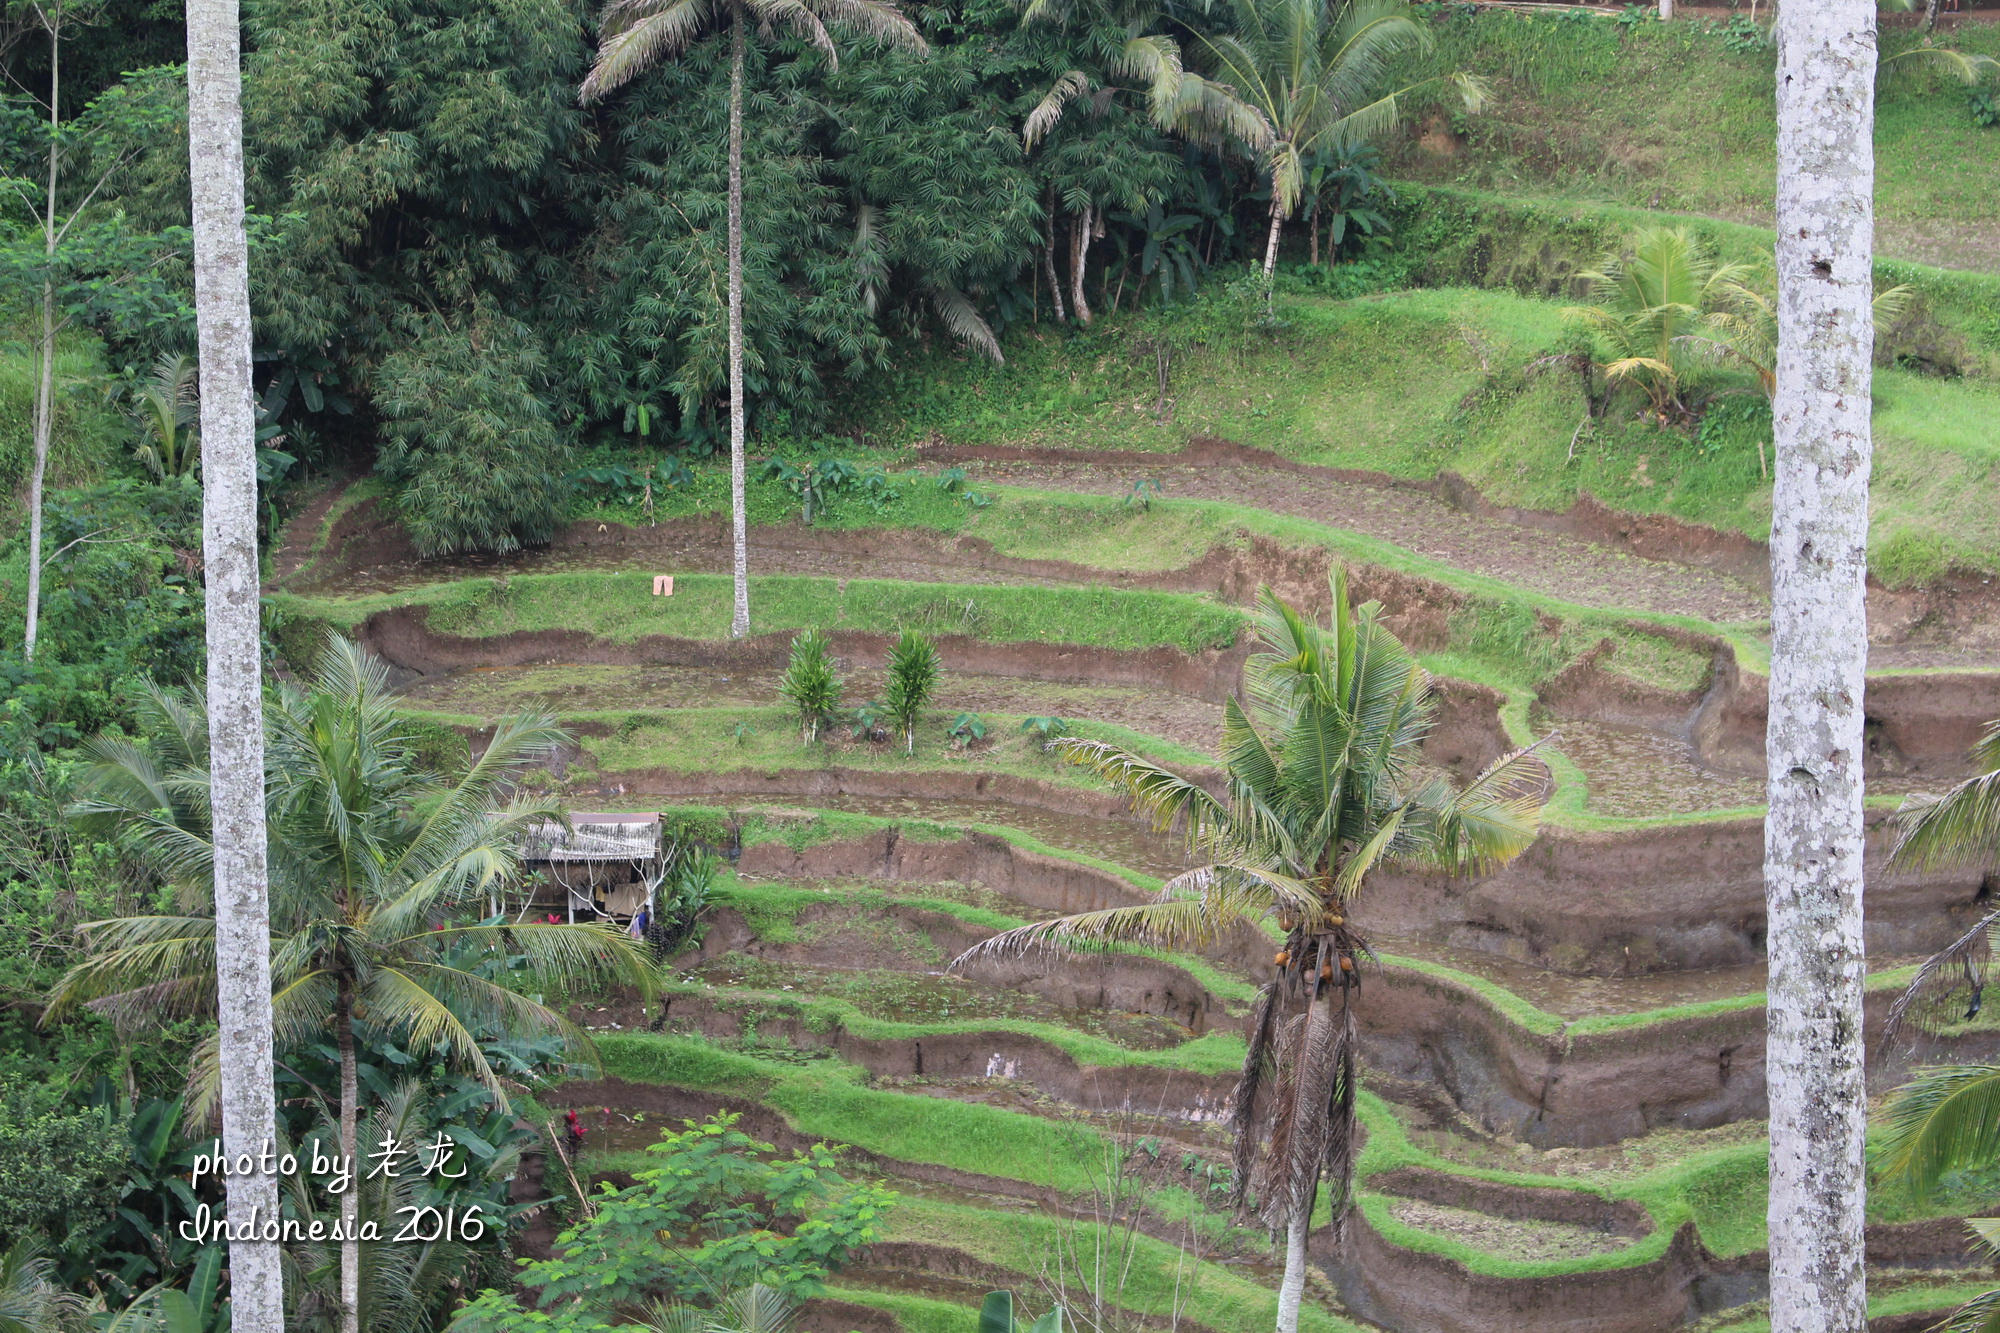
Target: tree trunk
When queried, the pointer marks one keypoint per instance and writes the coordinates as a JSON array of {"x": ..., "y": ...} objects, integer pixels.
[
  {"x": 1079, "y": 258},
  {"x": 44, "y": 432},
  {"x": 1666, "y": 9},
  {"x": 739, "y": 623},
  {"x": 1930, "y": 14},
  {"x": 1306, "y": 1144},
  {"x": 1312, "y": 226},
  {"x": 1049, "y": 261},
  {"x": 45, "y": 384},
  {"x": 1277, "y": 226},
  {"x": 1819, "y": 652},
  {"x": 350, "y": 1199},
  {"x": 235, "y": 686},
  {"x": 1292, "y": 1288}
]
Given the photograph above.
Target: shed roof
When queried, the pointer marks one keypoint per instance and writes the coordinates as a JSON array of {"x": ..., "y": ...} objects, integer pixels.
[{"x": 595, "y": 838}]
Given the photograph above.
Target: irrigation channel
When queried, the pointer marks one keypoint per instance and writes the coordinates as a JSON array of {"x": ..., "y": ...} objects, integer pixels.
[{"x": 1564, "y": 1057}]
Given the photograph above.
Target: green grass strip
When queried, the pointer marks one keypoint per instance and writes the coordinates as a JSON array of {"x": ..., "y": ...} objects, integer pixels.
[
  {"x": 828, "y": 1100},
  {"x": 619, "y": 606}
]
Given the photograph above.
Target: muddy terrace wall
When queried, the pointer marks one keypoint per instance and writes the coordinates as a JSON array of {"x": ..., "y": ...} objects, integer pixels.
[
  {"x": 1412, "y": 1291},
  {"x": 1555, "y": 1089},
  {"x": 1917, "y": 723},
  {"x": 1614, "y": 903}
]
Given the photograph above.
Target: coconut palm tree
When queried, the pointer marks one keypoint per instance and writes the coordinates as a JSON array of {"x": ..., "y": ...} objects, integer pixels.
[
  {"x": 633, "y": 35},
  {"x": 378, "y": 871},
  {"x": 1323, "y": 789},
  {"x": 166, "y": 409},
  {"x": 1662, "y": 311},
  {"x": 1299, "y": 76}
]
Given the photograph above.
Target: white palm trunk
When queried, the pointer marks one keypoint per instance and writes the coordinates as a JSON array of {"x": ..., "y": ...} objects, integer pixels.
[
  {"x": 235, "y": 685},
  {"x": 1819, "y": 552},
  {"x": 1666, "y": 9},
  {"x": 45, "y": 383},
  {"x": 739, "y": 623},
  {"x": 1292, "y": 1287}
]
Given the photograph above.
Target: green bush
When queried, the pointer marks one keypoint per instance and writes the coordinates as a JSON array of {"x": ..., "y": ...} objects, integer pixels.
[
  {"x": 810, "y": 683},
  {"x": 913, "y": 674},
  {"x": 470, "y": 439}
]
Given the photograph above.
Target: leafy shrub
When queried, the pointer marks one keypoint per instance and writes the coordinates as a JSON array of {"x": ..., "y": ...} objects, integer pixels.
[
  {"x": 59, "y": 1165},
  {"x": 737, "y": 1213},
  {"x": 913, "y": 673},
  {"x": 469, "y": 437},
  {"x": 810, "y": 683}
]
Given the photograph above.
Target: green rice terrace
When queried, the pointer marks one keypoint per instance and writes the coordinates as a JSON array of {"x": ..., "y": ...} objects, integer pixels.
[
  {"x": 968, "y": 575},
  {"x": 1563, "y": 1083}
]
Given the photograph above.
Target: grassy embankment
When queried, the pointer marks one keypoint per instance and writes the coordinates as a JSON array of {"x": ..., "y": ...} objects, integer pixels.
[
  {"x": 1682, "y": 117},
  {"x": 1414, "y": 383}
]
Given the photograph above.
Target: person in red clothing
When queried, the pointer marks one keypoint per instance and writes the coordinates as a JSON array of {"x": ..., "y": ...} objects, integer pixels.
[{"x": 572, "y": 1133}]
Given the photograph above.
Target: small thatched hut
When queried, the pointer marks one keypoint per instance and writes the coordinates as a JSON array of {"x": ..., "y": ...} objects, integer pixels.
[{"x": 603, "y": 865}]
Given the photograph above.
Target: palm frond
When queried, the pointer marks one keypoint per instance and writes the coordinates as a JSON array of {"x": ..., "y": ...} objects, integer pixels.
[
  {"x": 1167, "y": 798},
  {"x": 1965, "y": 66},
  {"x": 639, "y": 35},
  {"x": 874, "y": 20},
  {"x": 1186, "y": 924},
  {"x": 1960, "y": 828},
  {"x": 955, "y": 308},
  {"x": 1068, "y": 86},
  {"x": 1968, "y": 957},
  {"x": 1942, "y": 1120}
]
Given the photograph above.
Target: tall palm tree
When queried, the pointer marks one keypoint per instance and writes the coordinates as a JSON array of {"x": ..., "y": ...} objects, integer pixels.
[
  {"x": 379, "y": 872},
  {"x": 1813, "y": 834},
  {"x": 1322, "y": 790},
  {"x": 1298, "y": 76},
  {"x": 238, "y": 874},
  {"x": 1662, "y": 310},
  {"x": 633, "y": 35}
]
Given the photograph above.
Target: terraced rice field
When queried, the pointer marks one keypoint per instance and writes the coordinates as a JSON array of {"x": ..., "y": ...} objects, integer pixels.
[{"x": 1565, "y": 1057}]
